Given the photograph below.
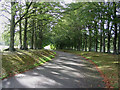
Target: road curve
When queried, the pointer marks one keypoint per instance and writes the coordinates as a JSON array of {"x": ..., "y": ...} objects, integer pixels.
[{"x": 65, "y": 71}]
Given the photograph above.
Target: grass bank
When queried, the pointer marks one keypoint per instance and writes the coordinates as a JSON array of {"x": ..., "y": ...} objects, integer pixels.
[
  {"x": 21, "y": 60},
  {"x": 107, "y": 63}
]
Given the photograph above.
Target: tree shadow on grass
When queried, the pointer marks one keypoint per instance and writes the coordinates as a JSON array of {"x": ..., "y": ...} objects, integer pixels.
[{"x": 18, "y": 62}]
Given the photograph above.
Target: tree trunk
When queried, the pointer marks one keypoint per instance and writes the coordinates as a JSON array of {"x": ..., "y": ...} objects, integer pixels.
[
  {"x": 119, "y": 40},
  {"x": 80, "y": 41},
  {"x": 115, "y": 30},
  {"x": 85, "y": 42},
  {"x": 101, "y": 31},
  {"x": 25, "y": 31},
  {"x": 109, "y": 35},
  {"x": 32, "y": 37},
  {"x": 35, "y": 37},
  {"x": 20, "y": 32},
  {"x": 35, "y": 27},
  {"x": 90, "y": 43},
  {"x": 96, "y": 39},
  {"x": 40, "y": 35},
  {"x": 25, "y": 35},
  {"x": 12, "y": 28},
  {"x": 96, "y": 43},
  {"x": 104, "y": 41}
]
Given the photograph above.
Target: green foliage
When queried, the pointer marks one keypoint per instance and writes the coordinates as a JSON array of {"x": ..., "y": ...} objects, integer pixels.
[
  {"x": 72, "y": 31},
  {"x": 52, "y": 46},
  {"x": 73, "y": 26}
]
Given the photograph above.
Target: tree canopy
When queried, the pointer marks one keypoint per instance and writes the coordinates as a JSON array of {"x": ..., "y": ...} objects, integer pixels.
[{"x": 82, "y": 26}]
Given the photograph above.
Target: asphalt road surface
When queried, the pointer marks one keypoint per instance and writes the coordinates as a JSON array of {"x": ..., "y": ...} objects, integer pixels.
[{"x": 65, "y": 71}]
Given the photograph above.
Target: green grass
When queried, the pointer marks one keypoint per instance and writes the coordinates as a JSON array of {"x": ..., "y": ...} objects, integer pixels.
[
  {"x": 21, "y": 60},
  {"x": 107, "y": 63}
]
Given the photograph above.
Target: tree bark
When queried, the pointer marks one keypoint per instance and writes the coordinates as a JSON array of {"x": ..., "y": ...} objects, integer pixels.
[
  {"x": 20, "y": 35},
  {"x": 115, "y": 31},
  {"x": 35, "y": 37},
  {"x": 20, "y": 32},
  {"x": 101, "y": 31},
  {"x": 101, "y": 34},
  {"x": 90, "y": 43},
  {"x": 96, "y": 37},
  {"x": 80, "y": 41},
  {"x": 25, "y": 30},
  {"x": 96, "y": 43},
  {"x": 104, "y": 50},
  {"x": 32, "y": 34},
  {"x": 85, "y": 42},
  {"x": 119, "y": 40},
  {"x": 109, "y": 36},
  {"x": 12, "y": 28},
  {"x": 25, "y": 35},
  {"x": 40, "y": 35}
]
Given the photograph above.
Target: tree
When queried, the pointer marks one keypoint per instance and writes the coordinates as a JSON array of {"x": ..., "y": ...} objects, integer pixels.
[
  {"x": 115, "y": 29},
  {"x": 12, "y": 27},
  {"x": 78, "y": 26},
  {"x": 119, "y": 40},
  {"x": 97, "y": 19},
  {"x": 20, "y": 27}
]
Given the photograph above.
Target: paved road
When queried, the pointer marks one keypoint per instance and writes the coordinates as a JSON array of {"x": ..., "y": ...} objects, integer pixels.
[{"x": 64, "y": 71}]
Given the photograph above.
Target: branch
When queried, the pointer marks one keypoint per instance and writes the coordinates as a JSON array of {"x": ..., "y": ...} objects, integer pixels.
[
  {"x": 6, "y": 11},
  {"x": 5, "y": 17},
  {"x": 66, "y": 11},
  {"x": 24, "y": 14}
]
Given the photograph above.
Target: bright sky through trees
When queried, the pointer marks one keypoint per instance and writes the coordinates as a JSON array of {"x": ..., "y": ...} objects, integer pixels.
[{"x": 4, "y": 20}]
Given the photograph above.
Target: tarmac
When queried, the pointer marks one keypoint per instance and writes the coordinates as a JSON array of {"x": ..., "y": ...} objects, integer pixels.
[{"x": 66, "y": 70}]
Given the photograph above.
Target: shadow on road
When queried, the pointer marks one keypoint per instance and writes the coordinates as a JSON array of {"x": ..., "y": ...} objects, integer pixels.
[{"x": 64, "y": 71}]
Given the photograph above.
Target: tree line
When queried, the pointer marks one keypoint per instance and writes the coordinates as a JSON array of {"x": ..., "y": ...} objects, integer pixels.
[
  {"x": 81, "y": 26},
  {"x": 91, "y": 26},
  {"x": 33, "y": 21}
]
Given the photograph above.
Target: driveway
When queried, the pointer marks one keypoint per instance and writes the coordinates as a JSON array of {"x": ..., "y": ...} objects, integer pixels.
[{"x": 65, "y": 71}]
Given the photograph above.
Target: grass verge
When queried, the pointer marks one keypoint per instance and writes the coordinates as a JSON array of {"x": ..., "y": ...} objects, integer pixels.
[
  {"x": 107, "y": 63},
  {"x": 21, "y": 60}
]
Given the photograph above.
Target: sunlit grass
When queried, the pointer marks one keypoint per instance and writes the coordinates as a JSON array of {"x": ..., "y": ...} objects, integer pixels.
[
  {"x": 107, "y": 63},
  {"x": 21, "y": 60}
]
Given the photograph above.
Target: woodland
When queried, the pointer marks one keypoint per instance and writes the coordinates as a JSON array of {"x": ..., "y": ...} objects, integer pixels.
[{"x": 82, "y": 26}]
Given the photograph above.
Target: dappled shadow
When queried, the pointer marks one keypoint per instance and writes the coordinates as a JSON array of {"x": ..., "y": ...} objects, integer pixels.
[
  {"x": 20, "y": 61},
  {"x": 61, "y": 73}
]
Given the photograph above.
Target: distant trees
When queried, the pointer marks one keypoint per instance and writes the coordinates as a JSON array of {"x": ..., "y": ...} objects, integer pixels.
[{"x": 99, "y": 27}]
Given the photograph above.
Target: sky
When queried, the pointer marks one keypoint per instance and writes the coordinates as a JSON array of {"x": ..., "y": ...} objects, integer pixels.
[{"x": 1, "y": 21}]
